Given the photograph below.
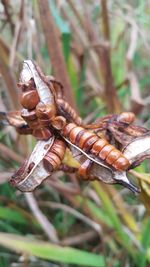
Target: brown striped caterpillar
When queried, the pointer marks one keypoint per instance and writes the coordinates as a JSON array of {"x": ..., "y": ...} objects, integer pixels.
[{"x": 91, "y": 143}]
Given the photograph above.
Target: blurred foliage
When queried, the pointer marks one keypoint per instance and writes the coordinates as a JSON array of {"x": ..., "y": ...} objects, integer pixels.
[{"x": 93, "y": 224}]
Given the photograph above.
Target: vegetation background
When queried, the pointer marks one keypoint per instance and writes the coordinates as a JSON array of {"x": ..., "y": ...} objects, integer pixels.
[{"x": 100, "y": 51}]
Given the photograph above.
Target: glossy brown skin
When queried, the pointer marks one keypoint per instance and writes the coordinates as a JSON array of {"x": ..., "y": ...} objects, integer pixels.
[
  {"x": 68, "y": 111},
  {"x": 39, "y": 127},
  {"x": 45, "y": 111},
  {"x": 99, "y": 147},
  {"x": 84, "y": 169},
  {"x": 58, "y": 122},
  {"x": 126, "y": 117},
  {"x": 58, "y": 87},
  {"x": 30, "y": 117},
  {"x": 29, "y": 99},
  {"x": 44, "y": 122},
  {"x": 55, "y": 155},
  {"x": 42, "y": 133}
]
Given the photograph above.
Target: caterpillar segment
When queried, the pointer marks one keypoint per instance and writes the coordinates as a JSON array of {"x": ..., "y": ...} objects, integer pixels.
[
  {"x": 29, "y": 97},
  {"x": 84, "y": 169},
  {"x": 58, "y": 87},
  {"x": 54, "y": 156},
  {"x": 34, "y": 112},
  {"x": 67, "y": 111},
  {"x": 39, "y": 127},
  {"x": 58, "y": 122},
  {"x": 90, "y": 142},
  {"x": 47, "y": 116},
  {"x": 126, "y": 117},
  {"x": 45, "y": 111}
]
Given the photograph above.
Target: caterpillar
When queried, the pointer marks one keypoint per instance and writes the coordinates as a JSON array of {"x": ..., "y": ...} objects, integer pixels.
[
  {"x": 68, "y": 112},
  {"x": 54, "y": 156},
  {"x": 29, "y": 97},
  {"x": 58, "y": 87},
  {"x": 99, "y": 147}
]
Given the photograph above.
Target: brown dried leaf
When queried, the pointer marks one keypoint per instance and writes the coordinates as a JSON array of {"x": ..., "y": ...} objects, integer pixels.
[
  {"x": 31, "y": 70},
  {"x": 32, "y": 172},
  {"x": 138, "y": 149}
]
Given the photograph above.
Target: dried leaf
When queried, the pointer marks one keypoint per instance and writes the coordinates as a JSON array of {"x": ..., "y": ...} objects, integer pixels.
[
  {"x": 32, "y": 173},
  {"x": 31, "y": 70},
  {"x": 138, "y": 149}
]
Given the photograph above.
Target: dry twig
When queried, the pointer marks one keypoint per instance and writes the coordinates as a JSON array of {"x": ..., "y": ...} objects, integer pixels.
[
  {"x": 41, "y": 218},
  {"x": 73, "y": 212},
  {"x": 10, "y": 154},
  {"x": 55, "y": 50}
]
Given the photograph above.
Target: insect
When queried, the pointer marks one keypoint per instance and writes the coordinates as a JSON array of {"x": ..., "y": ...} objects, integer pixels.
[
  {"x": 99, "y": 147},
  {"x": 49, "y": 118},
  {"x": 55, "y": 155},
  {"x": 29, "y": 97},
  {"x": 65, "y": 109},
  {"x": 77, "y": 135}
]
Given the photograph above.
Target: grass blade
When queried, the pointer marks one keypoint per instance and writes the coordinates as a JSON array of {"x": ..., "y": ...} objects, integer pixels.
[{"x": 47, "y": 251}]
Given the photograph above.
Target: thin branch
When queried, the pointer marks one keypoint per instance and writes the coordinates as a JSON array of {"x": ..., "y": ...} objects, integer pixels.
[
  {"x": 8, "y": 75},
  {"x": 8, "y": 15},
  {"x": 10, "y": 154},
  {"x": 17, "y": 33},
  {"x": 103, "y": 52},
  {"x": 73, "y": 212},
  {"x": 79, "y": 239},
  {"x": 123, "y": 83},
  {"x": 112, "y": 100},
  {"x": 55, "y": 49},
  {"x": 41, "y": 218},
  {"x": 137, "y": 103},
  {"x": 5, "y": 176},
  {"x": 58, "y": 185},
  {"x": 82, "y": 45},
  {"x": 132, "y": 46},
  {"x": 14, "y": 43}
]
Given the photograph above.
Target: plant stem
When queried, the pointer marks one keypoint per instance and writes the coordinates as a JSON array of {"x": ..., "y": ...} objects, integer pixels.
[{"x": 55, "y": 50}]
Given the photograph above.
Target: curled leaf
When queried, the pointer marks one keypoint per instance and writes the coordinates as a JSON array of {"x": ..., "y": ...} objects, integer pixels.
[
  {"x": 32, "y": 173},
  {"x": 32, "y": 71},
  {"x": 12, "y": 118},
  {"x": 138, "y": 148}
]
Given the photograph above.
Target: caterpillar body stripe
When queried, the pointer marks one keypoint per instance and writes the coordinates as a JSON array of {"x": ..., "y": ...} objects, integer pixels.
[
  {"x": 99, "y": 147},
  {"x": 68, "y": 112},
  {"x": 54, "y": 156},
  {"x": 29, "y": 96},
  {"x": 84, "y": 169},
  {"x": 126, "y": 117}
]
